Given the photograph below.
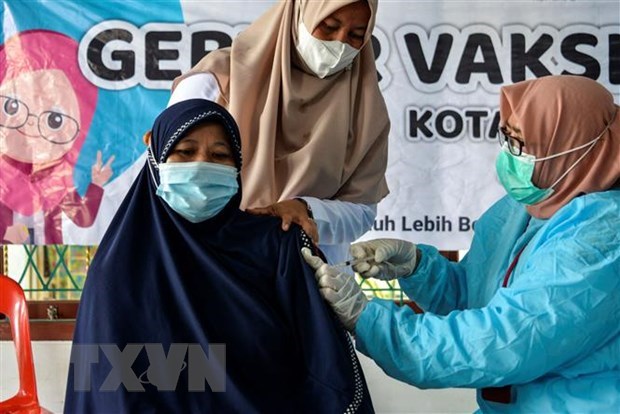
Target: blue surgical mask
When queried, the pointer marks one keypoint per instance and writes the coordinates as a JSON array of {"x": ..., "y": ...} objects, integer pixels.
[
  {"x": 515, "y": 173},
  {"x": 197, "y": 190}
]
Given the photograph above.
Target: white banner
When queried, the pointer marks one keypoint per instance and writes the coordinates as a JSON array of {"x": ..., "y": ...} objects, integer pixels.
[
  {"x": 445, "y": 63},
  {"x": 441, "y": 65}
]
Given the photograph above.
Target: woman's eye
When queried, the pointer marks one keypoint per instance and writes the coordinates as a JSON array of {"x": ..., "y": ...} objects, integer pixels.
[
  {"x": 328, "y": 28},
  {"x": 222, "y": 155},
  {"x": 183, "y": 152}
]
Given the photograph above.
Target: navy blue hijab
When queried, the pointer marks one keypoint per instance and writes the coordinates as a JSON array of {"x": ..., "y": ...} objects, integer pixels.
[{"x": 237, "y": 280}]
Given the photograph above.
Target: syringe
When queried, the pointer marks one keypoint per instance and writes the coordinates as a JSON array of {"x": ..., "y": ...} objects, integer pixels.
[{"x": 352, "y": 262}]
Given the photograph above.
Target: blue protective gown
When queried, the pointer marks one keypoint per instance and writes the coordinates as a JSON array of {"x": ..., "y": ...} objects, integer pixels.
[{"x": 553, "y": 333}]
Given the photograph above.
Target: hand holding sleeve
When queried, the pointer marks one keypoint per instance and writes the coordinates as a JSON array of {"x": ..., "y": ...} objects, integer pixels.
[{"x": 339, "y": 289}]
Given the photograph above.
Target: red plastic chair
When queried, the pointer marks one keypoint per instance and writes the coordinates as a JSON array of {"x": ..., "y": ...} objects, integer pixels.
[{"x": 13, "y": 305}]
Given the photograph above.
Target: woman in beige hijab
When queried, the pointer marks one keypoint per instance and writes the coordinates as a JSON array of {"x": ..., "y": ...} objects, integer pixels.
[
  {"x": 302, "y": 84},
  {"x": 531, "y": 315}
]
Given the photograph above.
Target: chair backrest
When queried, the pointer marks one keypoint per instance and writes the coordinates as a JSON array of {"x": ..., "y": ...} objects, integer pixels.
[{"x": 13, "y": 305}]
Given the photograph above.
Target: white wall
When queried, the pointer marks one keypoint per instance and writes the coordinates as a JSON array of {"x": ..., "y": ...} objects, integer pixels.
[
  {"x": 51, "y": 360},
  {"x": 389, "y": 396},
  {"x": 392, "y": 396}
]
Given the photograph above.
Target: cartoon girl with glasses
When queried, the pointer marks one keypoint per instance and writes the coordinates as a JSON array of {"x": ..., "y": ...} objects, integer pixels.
[{"x": 46, "y": 107}]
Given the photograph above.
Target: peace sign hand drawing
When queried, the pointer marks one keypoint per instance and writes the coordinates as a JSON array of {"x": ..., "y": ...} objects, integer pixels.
[{"x": 101, "y": 173}]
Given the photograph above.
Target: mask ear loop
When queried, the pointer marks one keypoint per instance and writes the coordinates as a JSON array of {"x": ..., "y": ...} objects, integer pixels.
[
  {"x": 591, "y": 144},
  {"x": 575, "y": 163},
  {"x": 150, "y": 161}
]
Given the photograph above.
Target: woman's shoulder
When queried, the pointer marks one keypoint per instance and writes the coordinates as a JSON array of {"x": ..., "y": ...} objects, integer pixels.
[
  {"x": 265, "y": 226},
  {"x": 261, "y": 224},
  {"x": 593, "y": 216},
  {"x": 608, "y": 196},
  {"x": 594, "y": 205}
]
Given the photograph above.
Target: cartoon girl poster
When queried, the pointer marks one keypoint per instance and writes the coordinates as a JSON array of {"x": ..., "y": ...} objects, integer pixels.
[{"x": 46, "y": 108}]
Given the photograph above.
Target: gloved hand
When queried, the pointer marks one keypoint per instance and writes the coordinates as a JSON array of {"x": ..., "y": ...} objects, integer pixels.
[
  {"x": 389, "y": 258},
  {"x": 339, "y": 289}
]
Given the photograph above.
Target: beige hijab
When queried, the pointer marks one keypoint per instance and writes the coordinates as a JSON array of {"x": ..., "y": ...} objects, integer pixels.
[
  {"x": 558, "y": 113},
  {"x": 301, "y": 135}
]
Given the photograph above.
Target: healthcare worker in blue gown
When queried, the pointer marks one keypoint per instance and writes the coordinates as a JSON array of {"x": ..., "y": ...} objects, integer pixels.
[
  {"x": 531, "y": 315},
  {"x": 194, "y": 306}
]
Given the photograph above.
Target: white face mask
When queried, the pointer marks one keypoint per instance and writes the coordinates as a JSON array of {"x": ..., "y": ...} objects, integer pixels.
[{"x": 324, "y": 57}]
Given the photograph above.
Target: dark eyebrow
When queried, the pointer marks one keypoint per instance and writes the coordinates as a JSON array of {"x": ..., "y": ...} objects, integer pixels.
[
  {"x": 333, "y": 18},
  {"x": 187, "y": 140},
  {"x": 221, "y": 142},
  {"x": 361, "y": 27}
]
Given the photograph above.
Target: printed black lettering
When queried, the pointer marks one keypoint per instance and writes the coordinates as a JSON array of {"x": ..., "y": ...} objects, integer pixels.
[
  {"x": 418, "y": 225},
  {"x": 385, "y": 224},
  {"x": 614, "y": 59},
  {"x": 404, "y": 224},
  {"x": 464, "y": 224},
  {"x": 494, "y": 128},
  {"x": 529, "y": 59},
  {"x": 376, "y": 48},
  {"x": 416, "y": 124},
  {"x": 201, "y": 39},
  {"x": 463, "y": 59},
  {"x": 476, "y": 122},
  {"x": 127, "y": 58},
  {"x": 570, "y": 52},
  {"x": 450, "y": 117},
  {"x": 429, "y": 73},
  {"x": 489, "y": 65},
  {"x": 153, "y": 55}
]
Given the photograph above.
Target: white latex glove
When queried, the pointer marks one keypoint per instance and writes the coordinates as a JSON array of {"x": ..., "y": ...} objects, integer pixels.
[
  {"x": 388, "y": 258},
  {"x": 339, "y": 289}
]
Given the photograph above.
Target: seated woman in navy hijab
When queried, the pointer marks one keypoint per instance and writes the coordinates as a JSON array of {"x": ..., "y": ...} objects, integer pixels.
[{"x": 192, "y": 305}]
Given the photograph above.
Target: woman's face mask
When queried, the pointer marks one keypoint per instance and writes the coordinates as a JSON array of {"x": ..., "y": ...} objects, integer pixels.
[
  {"x": 515, "y": 172},
  {"x": 197, "y": 190},
  {"x": 199, "y": 176},
  {"x": 324, "y": 57}
]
